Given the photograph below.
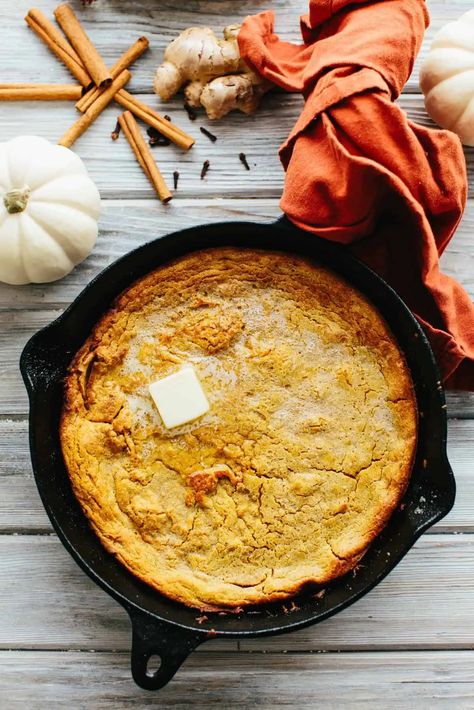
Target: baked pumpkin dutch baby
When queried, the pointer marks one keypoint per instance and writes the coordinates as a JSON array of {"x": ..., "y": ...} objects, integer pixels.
[{"x": 299, "y": 453}]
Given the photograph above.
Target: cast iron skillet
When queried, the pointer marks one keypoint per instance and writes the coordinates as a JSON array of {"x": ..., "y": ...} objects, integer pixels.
[{"x": 160, "y": 626}]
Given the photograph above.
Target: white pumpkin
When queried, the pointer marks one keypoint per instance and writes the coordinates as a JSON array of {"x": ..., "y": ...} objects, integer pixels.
[
  {"x": 49, "y": 209},
  {"x": 447, "y": 78}
]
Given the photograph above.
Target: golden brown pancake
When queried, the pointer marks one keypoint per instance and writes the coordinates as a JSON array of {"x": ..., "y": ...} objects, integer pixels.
[{"x": 304, "y": 454}]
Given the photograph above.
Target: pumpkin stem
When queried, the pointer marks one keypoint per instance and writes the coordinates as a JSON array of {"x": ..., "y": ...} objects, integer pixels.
[{"x": 16, "y": 200}]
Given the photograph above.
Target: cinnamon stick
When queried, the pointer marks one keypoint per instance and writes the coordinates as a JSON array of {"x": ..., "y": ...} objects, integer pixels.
[
  {"x": 142, "y": 153},
  {"x": 162, "y": 120},
  {"x": 127, "y": 58},
  {"x": 39, "y": 92},
  {"x": 152, "y": 118},
  {"x": 55, "y": 41},
  {"x": 78, "y": 128},
  {"x": 88, "y": 54}
]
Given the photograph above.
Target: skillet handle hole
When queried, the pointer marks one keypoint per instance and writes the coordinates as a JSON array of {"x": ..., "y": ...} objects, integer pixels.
[
  {"x": 159, "y": 648},
  {"x": 153, "y": 665}
]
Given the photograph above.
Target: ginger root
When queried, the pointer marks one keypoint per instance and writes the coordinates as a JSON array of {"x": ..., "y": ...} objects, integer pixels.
[{"x": 214, "y": 74}]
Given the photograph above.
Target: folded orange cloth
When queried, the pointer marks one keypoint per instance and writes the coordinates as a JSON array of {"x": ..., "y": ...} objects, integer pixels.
[{"x": 358, "y": 171}]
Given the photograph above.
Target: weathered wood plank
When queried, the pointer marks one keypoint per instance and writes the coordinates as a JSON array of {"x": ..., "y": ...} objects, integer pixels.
[
  {"x": 42, "y": 592},
  {"x": 360, "y": 681},
  {"x": 117, "y": 174},
  {"x": 21, "y": 509},
  {"x": 14, "y": 336},
  {"x": 48, "y": 603},
  {"x": 410, "y": 609},
  {"x": 18, "y": 326},
  {"x": 460, "y": 404},
  {"x": 113, "y": 26},
  {"x": 55, "y": 604},
  {"x": 113, "y": 167},
  {"x": 125, "y": 225}
]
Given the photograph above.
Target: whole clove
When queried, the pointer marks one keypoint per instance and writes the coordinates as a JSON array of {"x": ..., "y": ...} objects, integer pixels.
[
  {"x": 205, "y": 167},
  {"x": 156, "y": 138},
  {"x": 116, "y": 132},
  {"x": 207, "y": 133},
  {"x": 190, "y": 111},
  {"x": 243, "y": 160},
  {"x": 159, "y": 141},
  {"x": 175, "y": 179}
]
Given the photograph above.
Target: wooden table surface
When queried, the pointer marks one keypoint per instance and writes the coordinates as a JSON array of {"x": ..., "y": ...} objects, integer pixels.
[{"x": 63, "y": 641}]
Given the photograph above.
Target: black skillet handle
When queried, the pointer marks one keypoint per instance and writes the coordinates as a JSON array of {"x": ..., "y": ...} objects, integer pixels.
[{"x": 153, "y": 638}]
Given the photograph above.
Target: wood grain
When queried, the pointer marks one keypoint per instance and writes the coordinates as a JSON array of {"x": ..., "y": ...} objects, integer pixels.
[
  {"x": 359, "y": 681},
  {"x": 113, "y": 26},
  {"x": 117, "y": 175},
  {"x": 18, "y": 326},
  {"x": 113, "y": 168},
  {"x": 22, "y": 510},
  {"x": 126, "y": 225},
  {"x": 410, "y": 642},
  {"x": 49, "y": 603}
]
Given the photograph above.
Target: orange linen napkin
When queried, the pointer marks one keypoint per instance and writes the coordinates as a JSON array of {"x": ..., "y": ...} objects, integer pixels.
[{"x": 358, "y": 171}]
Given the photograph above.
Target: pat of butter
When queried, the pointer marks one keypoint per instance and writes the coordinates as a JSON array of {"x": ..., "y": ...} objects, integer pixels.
[{"x": 179, "y": 398}]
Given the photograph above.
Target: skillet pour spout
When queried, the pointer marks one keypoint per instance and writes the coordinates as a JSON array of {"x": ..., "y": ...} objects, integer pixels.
[{"x": 162, "y": 627}]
